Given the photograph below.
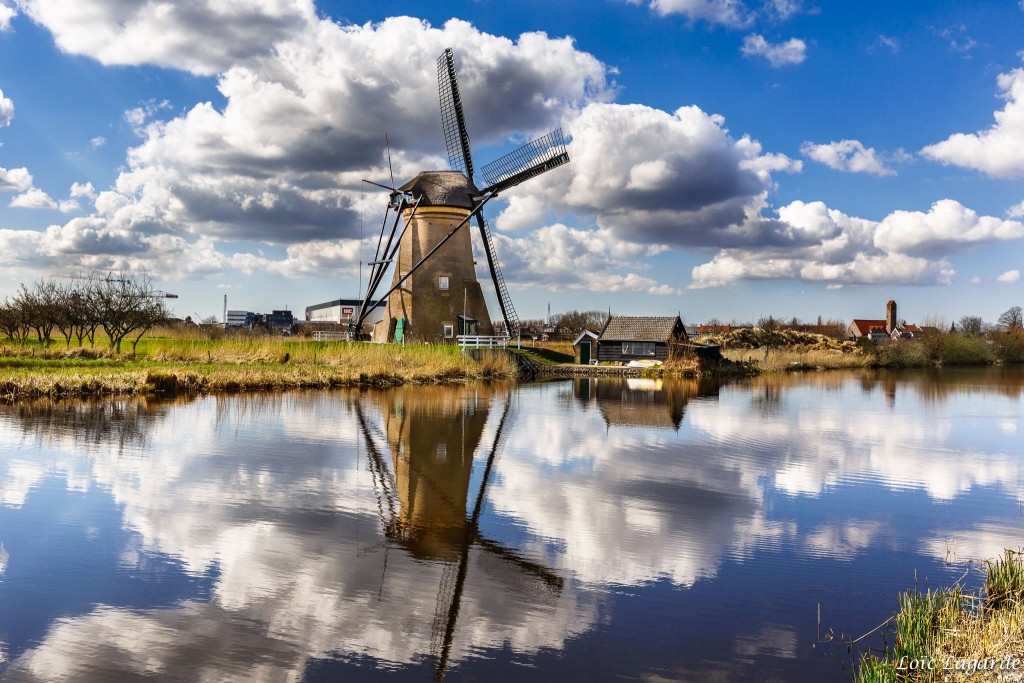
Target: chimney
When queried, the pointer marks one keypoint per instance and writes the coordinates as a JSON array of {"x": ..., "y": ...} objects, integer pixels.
[{"x": 890, "y": 316}]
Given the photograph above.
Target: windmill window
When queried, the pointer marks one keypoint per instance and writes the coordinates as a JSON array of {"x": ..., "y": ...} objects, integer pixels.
[
  {"x": 449, "y": 331},
  {"x": 637, "y": 348},
  {"x": 442, "y": 283}
]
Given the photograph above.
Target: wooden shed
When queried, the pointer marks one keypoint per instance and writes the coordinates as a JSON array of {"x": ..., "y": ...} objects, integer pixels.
[
  {"x": 629, "y": 338},
  {"x": 584, "y": 347}
]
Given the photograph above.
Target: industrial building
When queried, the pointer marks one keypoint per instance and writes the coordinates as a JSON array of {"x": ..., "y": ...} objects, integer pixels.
[
  {"x": 275, "y": 321},
  {"x": 342, "y": 311},
  {"x": 239, "y": 319}
]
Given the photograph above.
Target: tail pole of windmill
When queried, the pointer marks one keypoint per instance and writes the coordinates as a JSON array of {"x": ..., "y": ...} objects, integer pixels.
[{"x": 434, "y": 291}]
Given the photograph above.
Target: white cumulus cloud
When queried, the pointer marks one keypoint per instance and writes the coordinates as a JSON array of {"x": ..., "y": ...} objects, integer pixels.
[
  {"x": 948, "y": 226},
  {"x": 6, "y": 105},
  {"x": 83, "y": 190},
  {"x": 793, "y": 51},
  {"x": 200, "y": 36},
  {"x": 16, "y": 179},
  {"x": 725, "y": 12},
  {"x": 282, "y": 161},
  {"x": 997, "y": 151},
  {"x": 1009, "y": 277},
  {"x": 6, "y": 14},
  {"x": 33, "y": 198},
  {"x": 906, "y": 247},
  {"x": 657, "y": 177},
  {"x": 847, "y": 155},
  {"x": 562, "y": 258}
]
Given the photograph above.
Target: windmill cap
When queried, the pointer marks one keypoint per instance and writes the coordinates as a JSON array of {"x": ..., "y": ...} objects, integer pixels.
[{"x": 443, "y": 188}]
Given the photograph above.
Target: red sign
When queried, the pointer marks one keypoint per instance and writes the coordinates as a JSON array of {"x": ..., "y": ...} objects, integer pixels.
[{"x": 347, "y": 311}]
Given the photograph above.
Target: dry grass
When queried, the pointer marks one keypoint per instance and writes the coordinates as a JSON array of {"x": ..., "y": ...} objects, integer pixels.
[
  {"x": 779, "y": 360},
  {"x": 177, "y": 365},
  {"x": 557, "y": 346},
  {"x": 960, "y": 637}
]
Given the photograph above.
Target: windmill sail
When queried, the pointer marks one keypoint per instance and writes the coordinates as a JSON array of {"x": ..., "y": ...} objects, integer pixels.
[
  {"x": 529, "y": 161},
  {"x": 456, "y": 137},
  {"x": 456, "y": 140},
  {"x": 508, "y": 311}
]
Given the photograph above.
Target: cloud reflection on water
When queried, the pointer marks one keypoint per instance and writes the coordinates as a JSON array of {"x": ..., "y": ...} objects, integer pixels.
[{"x": 273, "y": 497}]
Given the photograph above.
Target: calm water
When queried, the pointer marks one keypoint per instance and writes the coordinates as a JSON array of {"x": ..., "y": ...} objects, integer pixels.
[{"x": 572, "y": 530}]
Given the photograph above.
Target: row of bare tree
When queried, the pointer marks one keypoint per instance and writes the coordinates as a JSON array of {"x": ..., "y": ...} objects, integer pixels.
[{"x": 123, "y": 307}]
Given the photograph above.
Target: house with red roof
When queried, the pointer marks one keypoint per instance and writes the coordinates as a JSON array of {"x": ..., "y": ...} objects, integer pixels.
[{"x": 889, "y": 328}]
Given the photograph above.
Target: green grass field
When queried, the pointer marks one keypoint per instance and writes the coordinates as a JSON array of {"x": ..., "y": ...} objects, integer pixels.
[{"x": 164, "y": 364}]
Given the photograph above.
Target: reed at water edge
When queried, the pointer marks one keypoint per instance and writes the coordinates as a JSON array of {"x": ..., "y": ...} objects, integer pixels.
[{"x": 952, "y": 635}]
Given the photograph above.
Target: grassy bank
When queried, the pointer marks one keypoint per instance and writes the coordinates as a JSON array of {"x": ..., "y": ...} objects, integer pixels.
[
  {"x": 198, "y": 365},
  {"x": 935, "y": 350},
  {"x": 950, "y": 635}
]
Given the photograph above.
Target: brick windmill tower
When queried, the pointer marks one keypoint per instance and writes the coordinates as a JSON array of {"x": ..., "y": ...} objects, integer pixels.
[{"x": 435, "y": 295}]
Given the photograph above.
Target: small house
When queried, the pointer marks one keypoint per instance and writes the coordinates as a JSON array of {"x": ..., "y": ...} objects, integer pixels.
[
  {"x": 584, "y": 347},
  {"x": 631, "y": 338}
]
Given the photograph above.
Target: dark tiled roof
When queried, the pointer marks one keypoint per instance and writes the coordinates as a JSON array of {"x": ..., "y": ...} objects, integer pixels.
[
  {"x": 640, "y": 328},
  {"x": 442, "y": 188}
]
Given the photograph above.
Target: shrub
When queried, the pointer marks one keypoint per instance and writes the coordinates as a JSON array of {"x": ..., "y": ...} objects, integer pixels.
[
  {"x": 957, "y": 349},
  {"x": 1008, "y": 346}
]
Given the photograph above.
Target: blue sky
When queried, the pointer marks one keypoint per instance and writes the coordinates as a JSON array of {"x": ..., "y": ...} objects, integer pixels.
[{"x": 729, "y": 159}]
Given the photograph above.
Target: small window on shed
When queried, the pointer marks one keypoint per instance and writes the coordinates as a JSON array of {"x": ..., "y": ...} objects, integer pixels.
[
  {"x": 442, "y": 283},
  {"x": 449, "y": 331}
]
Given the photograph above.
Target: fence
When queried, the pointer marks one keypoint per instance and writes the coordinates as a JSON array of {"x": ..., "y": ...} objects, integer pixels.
[
  {"x": 321, "y": 335},
  {"x": 481, "y": 342}
]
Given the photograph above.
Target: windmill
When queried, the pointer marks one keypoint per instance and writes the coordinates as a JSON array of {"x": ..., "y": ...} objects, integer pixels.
[{"x": 434, "y": 292}]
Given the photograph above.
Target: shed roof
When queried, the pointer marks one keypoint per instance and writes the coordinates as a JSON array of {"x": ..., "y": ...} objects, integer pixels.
[
  {"x": 641, "y": 328},
  {"x": 585, "y": 333}
]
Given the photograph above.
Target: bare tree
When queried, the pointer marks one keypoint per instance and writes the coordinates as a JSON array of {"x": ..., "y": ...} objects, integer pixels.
[
  {"x": 574, "y": 321},
  {"x": 971, "y": 324},
  {"x": 1012, "y": 319},
  {"x": 126, "y": 306},
  {"x": 39, "y": 305},
  {"x": 66, "y": 312},
  {"x": 14, "y": 322}
]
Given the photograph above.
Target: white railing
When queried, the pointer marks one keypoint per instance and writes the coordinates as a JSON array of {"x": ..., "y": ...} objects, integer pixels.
[
  {"x": 481, "y": 342},
  {"x": 330, "y": 336}
]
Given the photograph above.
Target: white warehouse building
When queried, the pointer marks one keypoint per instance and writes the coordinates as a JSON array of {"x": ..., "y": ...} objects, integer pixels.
[{"x": 341, "y": 312}]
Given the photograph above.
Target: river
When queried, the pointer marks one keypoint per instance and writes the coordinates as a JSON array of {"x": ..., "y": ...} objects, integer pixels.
[{"x": 565, "y": 530}]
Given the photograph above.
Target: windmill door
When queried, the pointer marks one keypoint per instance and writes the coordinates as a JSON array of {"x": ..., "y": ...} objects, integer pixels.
[{"x": 468, "y": 326}]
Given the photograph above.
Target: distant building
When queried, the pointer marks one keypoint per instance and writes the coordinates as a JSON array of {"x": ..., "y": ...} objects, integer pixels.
[
  {"x": 342, "y": 311},
  {"x": 280, "y": 320},
  {"x": 629, "y": 338},
  {"x": 891, "y": 328},
  {"x": 863, "y": 327},
  {"x": 240, "y": 319}
]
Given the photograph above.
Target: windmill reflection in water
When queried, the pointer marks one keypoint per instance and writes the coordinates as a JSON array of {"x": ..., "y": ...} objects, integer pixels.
[{"x": 432, "y": 435}]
